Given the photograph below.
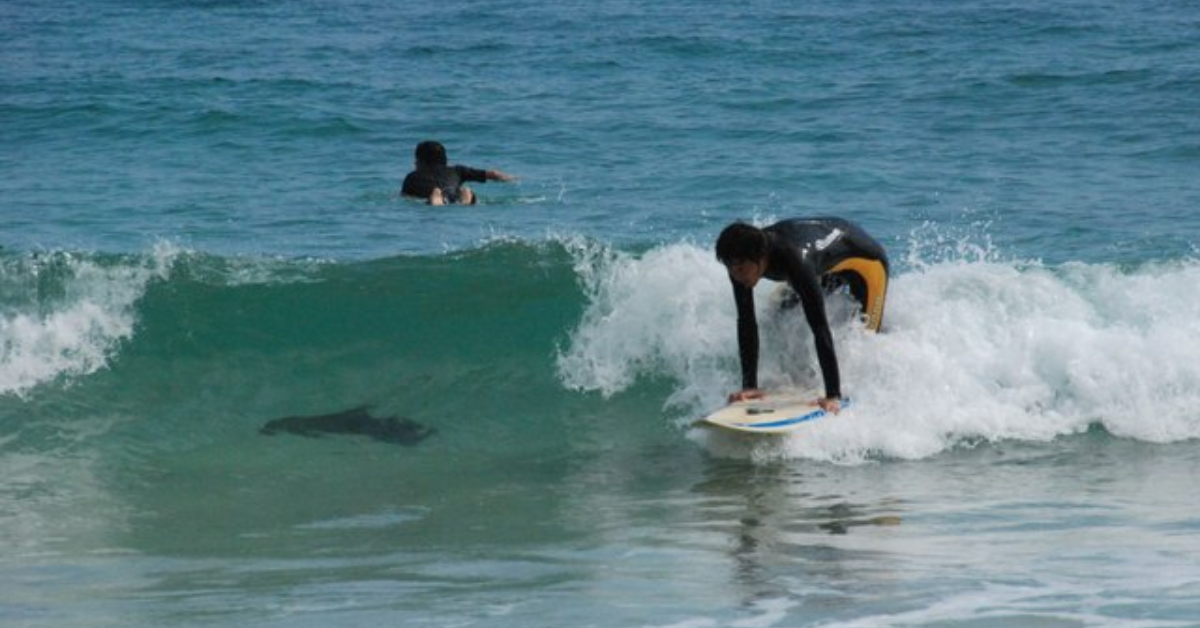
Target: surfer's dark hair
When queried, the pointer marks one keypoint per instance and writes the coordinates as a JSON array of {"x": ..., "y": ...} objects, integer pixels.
[
  {"x": 741, "y": 242},
  {"x": 430, "y": 153}
]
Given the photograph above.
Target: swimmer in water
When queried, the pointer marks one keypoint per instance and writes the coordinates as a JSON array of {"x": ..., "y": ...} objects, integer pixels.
[{"x": 441, "y": 184}]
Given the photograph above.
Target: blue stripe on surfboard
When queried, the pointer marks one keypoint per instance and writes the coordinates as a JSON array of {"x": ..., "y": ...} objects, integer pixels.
[{"x": 815, "y": 414}]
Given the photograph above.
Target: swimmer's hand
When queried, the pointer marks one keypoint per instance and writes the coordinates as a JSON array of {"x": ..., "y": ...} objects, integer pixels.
[
  {"x": 746, "y": 395},
  {"x": 832, "y": 405}
]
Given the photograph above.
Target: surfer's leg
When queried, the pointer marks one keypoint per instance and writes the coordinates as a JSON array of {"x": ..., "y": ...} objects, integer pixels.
[{"x": 867, "y": 279}]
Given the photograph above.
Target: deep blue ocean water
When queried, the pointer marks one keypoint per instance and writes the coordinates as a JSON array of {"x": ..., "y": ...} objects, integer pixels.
[{"x": 201, "y": 230}]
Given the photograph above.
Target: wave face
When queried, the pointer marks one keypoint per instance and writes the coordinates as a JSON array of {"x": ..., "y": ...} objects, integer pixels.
[
  {"x": 538, "y": 338},
  {"x": 177, "y": 335}
]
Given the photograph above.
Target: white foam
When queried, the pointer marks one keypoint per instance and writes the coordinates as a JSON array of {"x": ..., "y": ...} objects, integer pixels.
[
  {"x": 649, "y": 315},
  {"x": 74, "y": 331},
  {"x": 973, "y": 349}
]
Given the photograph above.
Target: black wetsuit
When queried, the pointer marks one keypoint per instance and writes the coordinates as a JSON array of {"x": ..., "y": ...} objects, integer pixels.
[
  {"x": 421, "y": 183},
  {"x": 805, "y": 252}
]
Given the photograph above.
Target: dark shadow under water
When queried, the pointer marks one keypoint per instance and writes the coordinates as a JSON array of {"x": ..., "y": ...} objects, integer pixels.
[{"x": 355, "y": 421}]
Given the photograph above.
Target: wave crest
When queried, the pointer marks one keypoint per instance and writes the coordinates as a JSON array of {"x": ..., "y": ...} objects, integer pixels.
[{"x": 65, "y": 314}]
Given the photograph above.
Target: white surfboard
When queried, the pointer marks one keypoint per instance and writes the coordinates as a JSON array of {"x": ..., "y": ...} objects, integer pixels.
[{"x": 778, "y": 412}]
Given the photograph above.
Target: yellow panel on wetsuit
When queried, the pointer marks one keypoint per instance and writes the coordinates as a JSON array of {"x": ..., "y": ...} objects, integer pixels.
[{"x": 874, "y": 275}]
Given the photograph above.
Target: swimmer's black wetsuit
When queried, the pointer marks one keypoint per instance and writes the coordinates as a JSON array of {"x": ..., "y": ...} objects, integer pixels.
[
  {"x": 813, "y": 255},
  {"x": 421, "y": 183}
]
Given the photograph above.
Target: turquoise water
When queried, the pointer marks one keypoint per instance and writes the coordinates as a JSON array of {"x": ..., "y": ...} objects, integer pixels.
[{"x": 202, "y": 232}]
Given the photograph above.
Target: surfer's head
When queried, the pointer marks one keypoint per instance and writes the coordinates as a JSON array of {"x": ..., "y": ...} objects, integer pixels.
[
  {"x": 742, "y": 248},
  {"x": 741, "y": 242},
  {"x": 430, "y": 154}
]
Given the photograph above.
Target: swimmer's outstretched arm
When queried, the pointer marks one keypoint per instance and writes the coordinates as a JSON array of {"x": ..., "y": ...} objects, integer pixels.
[{"x": 496, "y": 175}]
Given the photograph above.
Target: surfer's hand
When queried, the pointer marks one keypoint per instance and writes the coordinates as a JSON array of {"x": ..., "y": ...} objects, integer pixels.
[
  {"x": 832, "y": 405},
  {"x": 746, "y": 395}
]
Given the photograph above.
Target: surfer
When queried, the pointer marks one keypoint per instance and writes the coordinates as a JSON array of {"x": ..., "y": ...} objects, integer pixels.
[
  {"x": 439, "y": 183},
  {"x": 814, "y": 256}
]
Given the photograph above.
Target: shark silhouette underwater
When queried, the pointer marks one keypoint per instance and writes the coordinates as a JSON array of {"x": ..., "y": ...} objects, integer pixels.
[{"x": 355, "y": 421}]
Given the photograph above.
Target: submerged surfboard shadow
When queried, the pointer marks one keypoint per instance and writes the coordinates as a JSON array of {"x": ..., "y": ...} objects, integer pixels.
[{"x": 355, "y": 421}]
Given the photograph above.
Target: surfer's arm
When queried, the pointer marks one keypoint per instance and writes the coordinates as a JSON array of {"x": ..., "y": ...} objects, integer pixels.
[
  {"x": 804, "y": 282},
  {"x": 747, "y": 335}
]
